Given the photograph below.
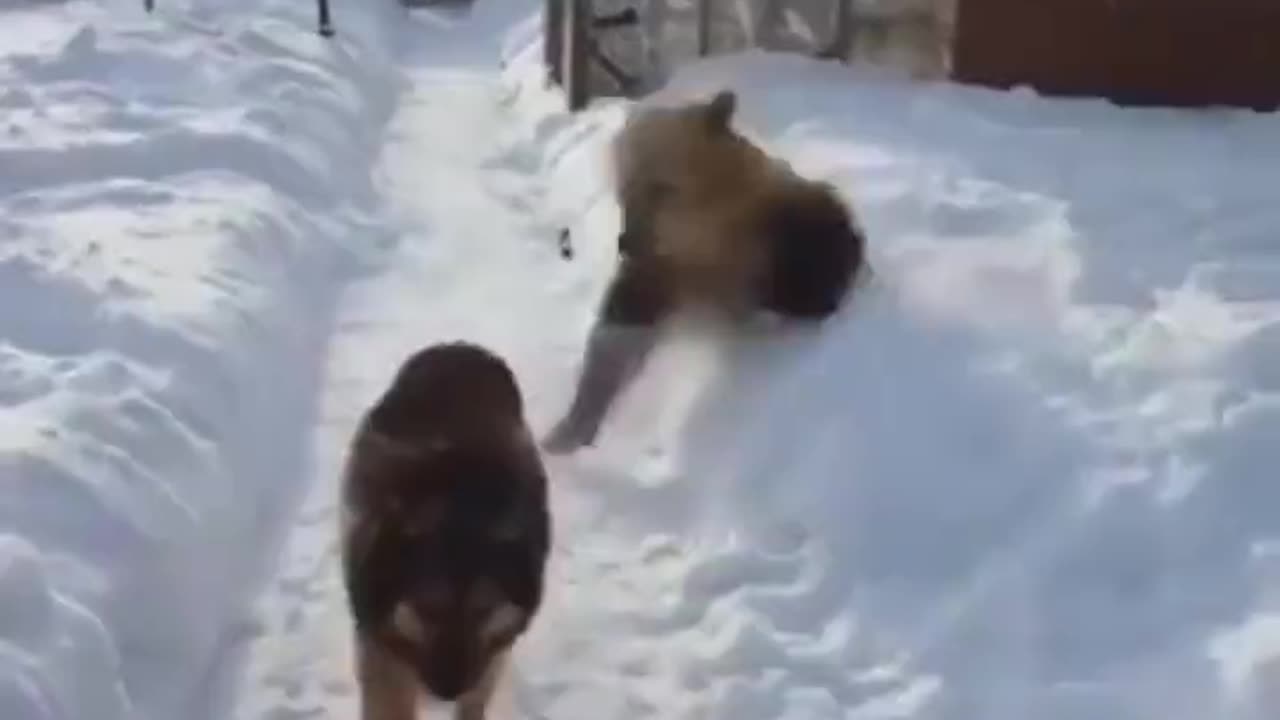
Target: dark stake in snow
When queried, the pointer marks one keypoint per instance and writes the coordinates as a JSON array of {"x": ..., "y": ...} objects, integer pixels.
[
  {"x": 566, "y": 244},
  {"x": 326, "y": 23}
]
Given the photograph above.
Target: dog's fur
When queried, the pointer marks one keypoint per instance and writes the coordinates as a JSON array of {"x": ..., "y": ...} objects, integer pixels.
[
  {"x": 709, "y": 220},
  {"x": 446, "y": 531}
]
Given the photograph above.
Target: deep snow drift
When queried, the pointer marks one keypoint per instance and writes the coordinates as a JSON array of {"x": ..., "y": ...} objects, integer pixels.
[
  {"x": 1025, "y": 475},
  {"x": 177, "y": 194},
  {"x": 1035, "y": 460}
]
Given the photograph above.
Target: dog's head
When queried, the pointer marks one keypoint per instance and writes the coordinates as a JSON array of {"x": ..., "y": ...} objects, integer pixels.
[
  {"x": 450, "y": 633},
  {"x": 816, "y": 251},
  {"x": 471, "y": 581}
]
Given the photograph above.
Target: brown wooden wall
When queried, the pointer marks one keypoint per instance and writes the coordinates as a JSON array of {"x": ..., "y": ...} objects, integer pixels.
[{"x": 1139, "y": 52}]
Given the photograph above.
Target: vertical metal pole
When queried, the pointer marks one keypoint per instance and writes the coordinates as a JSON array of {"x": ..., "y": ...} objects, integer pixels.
[
  {"x": 553, "y": 30},
  {"x": 704, "y": 28},
  {"x": 326, "y": 23},
  {"x": 576, "y": 81}
]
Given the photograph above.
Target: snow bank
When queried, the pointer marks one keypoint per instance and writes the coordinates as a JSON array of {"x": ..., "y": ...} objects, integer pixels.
[
  {"x": 1029, "y": 473},
  {"x": 181, "y": 194}
]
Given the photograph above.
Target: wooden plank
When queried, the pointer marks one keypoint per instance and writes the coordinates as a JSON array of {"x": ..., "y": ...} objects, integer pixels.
[
  {"x": 553, "y": 30},
  {"x": 704, "y": 28},
  {"x": 577, "y": 79},
  {"x": 840, "y": 44}
]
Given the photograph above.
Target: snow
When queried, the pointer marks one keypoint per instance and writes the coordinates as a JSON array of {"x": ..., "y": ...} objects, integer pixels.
[
  {"x": 1029, "y": 473},
  {"x": 172, "y": 237}
]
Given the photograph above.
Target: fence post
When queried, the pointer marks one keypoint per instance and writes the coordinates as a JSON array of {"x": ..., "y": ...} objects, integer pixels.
[
  {"x": 553, "y": 17},
  {"x": 704, "y": 28},
  {"x": 575, "y": 74},
  {"x": 841, "y": 42},
  {"x": 765, "y": 32}
]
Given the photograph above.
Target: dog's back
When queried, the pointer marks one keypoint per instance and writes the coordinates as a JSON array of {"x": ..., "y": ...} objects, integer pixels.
[{"x": 446, "y": 527}]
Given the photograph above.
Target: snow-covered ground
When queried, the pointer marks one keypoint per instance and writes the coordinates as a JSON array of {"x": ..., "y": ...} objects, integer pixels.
[
  {"x": 180, "y": 196},
  {"x": 1025, "y": 475}
]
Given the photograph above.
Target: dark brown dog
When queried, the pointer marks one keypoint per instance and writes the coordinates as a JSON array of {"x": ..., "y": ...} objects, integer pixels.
[
  {"x": 446, "y": 531},
  {"x": 709, "y": 220}
]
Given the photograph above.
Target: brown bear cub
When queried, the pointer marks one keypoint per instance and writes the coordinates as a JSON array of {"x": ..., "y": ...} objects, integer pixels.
[
  {"x": 708, "y": 220},
  {"x": 446, "y": 532}
]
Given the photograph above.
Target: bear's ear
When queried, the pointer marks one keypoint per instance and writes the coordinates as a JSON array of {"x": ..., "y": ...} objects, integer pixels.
[{"x": 719, "y": 110}]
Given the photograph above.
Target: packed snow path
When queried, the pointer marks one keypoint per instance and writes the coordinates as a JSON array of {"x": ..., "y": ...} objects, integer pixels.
[{"x": 457, "y": 237}]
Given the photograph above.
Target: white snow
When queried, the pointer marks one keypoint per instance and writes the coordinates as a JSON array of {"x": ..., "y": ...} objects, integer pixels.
[
  {"x": 1029, "y": 473},
  {"x": 179, "y": 196}
]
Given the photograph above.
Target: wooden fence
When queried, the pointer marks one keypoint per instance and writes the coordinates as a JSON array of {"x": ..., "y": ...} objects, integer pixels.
[
  {"x": 570, "y": 46},
  {"x": 572, "y": 50},
  {"x": 1134, "y": 52}
]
